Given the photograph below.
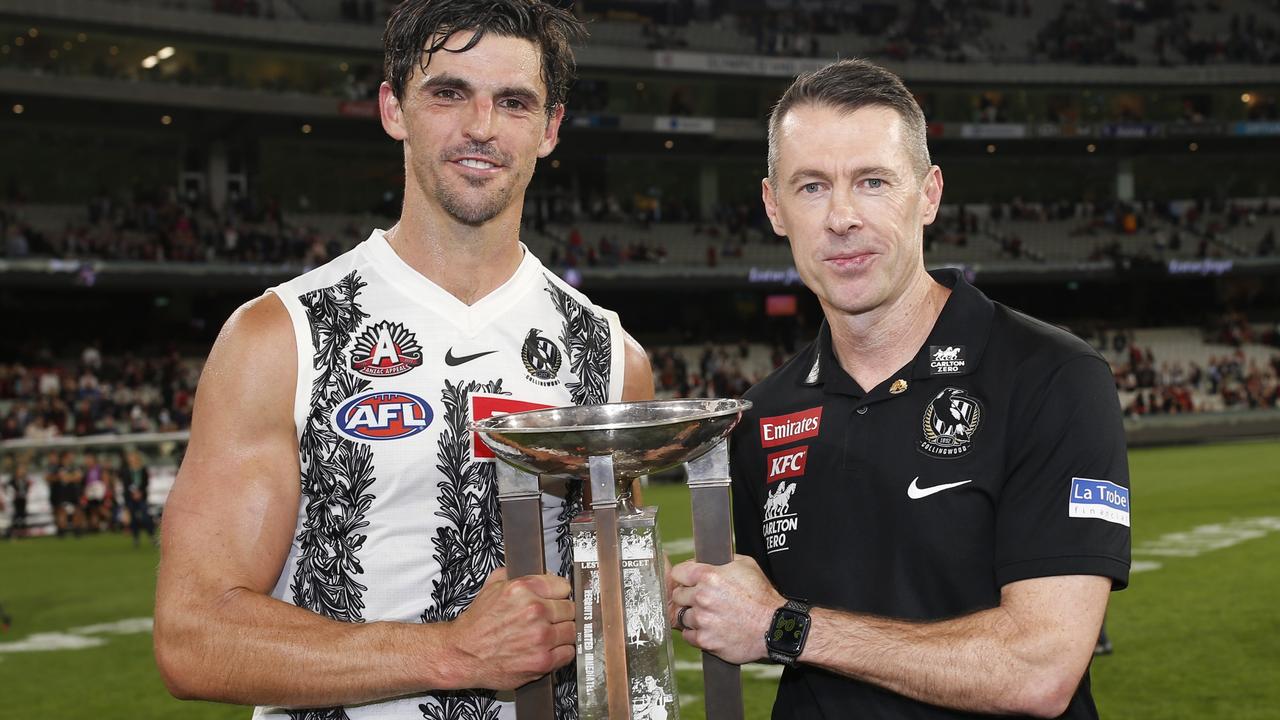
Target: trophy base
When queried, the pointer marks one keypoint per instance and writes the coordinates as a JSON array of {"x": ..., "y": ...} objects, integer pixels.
[{"x": 650, "y": 659}]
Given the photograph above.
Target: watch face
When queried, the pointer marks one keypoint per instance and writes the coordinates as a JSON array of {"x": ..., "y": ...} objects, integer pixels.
[{"x": 788, "y": 631}]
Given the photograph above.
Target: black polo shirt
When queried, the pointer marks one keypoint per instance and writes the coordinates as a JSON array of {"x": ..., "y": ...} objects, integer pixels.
[{"x": 997, "y": 455}]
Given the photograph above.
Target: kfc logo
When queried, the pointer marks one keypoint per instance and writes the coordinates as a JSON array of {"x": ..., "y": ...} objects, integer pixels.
[
  {"x": 782, "y": 429},
  {"x": 787, "y": 463}
]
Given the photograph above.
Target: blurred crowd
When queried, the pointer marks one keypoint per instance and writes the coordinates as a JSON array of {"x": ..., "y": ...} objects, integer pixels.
[
  {"x": 164, "y": 226},
  {"x": 88, "y": 492},
  {"x": 720, "y": 370},
  {"x": 43, "y": 397},
  {"x": 1230, "y": 380}
]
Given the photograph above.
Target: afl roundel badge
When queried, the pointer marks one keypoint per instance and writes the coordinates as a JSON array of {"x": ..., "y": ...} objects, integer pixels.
[
  {"x": 950, "y": 421},
  {"x": 541, "y": 358},
  {"x": 383, "y": 416}
]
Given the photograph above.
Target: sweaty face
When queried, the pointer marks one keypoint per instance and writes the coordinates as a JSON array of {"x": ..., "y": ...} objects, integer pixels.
[
  {"x": 852, "y": 205},
  {"x": 475, "y": 124}
]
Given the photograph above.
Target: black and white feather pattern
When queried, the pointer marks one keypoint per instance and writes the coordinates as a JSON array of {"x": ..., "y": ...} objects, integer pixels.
[
  {"x": 336, "y": 473},
  {"x": 468, "y": 545},
  {"x": 585, "y": 336}
]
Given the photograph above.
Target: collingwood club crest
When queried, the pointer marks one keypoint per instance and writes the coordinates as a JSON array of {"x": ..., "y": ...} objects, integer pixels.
[
  {"x": 541, "y": 359},
  {"x": 385, "y": 349},
  {"x": 950, "y": 421}
]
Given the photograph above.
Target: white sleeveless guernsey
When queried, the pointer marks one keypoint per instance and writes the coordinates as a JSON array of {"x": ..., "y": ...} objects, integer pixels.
[{"x": 399, "y": 516}]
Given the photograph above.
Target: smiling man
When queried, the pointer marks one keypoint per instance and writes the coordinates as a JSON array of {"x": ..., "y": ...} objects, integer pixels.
[
  {"x": 333, "y": 540},
  {"x": 932, "y": 498}
]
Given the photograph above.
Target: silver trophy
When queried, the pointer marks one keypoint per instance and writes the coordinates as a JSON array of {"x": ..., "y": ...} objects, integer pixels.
[{"x": 625, "y": 665}]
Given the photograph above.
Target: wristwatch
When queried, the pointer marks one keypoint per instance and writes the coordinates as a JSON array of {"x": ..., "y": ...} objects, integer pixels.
[{"x": 788, "y": 631}]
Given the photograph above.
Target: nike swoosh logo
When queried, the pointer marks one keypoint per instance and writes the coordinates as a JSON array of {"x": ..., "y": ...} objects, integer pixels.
[
  {"x": 915, "y": 492},
  {"x": 451, "y": 361}
]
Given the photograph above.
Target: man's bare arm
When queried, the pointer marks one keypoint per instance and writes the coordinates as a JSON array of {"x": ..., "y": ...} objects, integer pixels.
[
  {"x": 637, "y": 385},
  {"x": 1024, "y": 657},
  {"x": 228, "y": 527}
]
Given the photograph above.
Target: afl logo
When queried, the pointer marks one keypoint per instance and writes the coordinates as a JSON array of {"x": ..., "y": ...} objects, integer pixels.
[
  {"x": 541, "y": 358},
  {"x": 386, "y": 349},
  {"x": 383, "y": 416}
]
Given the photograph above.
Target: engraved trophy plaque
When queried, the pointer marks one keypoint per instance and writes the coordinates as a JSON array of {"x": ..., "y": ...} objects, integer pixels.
[{"x": 625, "y": 661}]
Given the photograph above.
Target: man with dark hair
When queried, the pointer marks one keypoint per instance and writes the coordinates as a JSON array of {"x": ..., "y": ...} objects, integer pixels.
[
  {"x": 932, "y": 498},
  {"x": 333, "y": 539}
]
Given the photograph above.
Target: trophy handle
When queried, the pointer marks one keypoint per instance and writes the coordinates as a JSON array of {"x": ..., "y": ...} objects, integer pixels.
[
  {"x": 708, "y": 478},
  {"x": 520, "y": 497},
  {"x": 604, "y": 507}
]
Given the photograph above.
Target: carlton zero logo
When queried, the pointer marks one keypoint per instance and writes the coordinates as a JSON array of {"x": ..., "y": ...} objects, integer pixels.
[
  {"x": 384, "y": 350},
  {"x": 484, "y": 407},
  {"x": 946, "y": 359},
  {"x": 786, "y": 463},
  {"x": 782, "y": 429},
  {"x": 383, "y": 416},
  {"x": 542, "y": 359},
  {"x": 779, "y": 520}
]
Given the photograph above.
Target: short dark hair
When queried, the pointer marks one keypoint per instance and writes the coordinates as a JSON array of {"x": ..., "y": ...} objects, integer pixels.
[
  {"x": 848, "y": 85},
  {"x": 419, "y": 28}
]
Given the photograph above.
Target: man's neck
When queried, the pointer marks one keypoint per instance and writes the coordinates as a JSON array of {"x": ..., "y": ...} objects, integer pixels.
[
  {"x": 468, "y": 262},
  {"x": 874, "y": 345}
]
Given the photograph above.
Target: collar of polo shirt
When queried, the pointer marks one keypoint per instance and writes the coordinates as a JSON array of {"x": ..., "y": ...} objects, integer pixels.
[{"x": 965, "y": 322}]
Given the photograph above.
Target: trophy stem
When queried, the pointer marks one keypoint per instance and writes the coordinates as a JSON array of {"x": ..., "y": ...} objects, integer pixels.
[
  {"x": 605, "y": 508},
  {"x": 708, "y": 478}
]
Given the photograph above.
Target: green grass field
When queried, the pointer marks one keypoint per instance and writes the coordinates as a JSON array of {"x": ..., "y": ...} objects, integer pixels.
[{"x": 1195, "y": 636}]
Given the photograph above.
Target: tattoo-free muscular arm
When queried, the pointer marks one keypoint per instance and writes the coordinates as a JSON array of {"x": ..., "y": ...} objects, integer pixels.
[
  {"x": 1026, "y": 656},
  {"x": 637, "y": 385},
  {"x": 228, "y": 526}
]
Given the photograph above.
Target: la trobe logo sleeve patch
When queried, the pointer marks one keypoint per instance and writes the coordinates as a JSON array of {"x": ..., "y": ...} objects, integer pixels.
[{"x": 1099, "y": 499}]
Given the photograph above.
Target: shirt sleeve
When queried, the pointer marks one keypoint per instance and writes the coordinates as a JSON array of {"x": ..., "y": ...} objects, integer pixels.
[{"x": 1064, "y": 507}]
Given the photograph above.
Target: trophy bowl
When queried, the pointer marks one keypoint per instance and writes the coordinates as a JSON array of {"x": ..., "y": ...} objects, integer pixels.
[{"x": 642, "y": 437}]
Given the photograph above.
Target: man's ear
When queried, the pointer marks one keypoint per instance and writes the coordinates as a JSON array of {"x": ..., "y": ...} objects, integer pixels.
[
  {"x": 551, "y": 137},
  {"x": 392, "y": 116},
  {"x": 932, "y": 189},
  {"x": 771, "y": 207}
]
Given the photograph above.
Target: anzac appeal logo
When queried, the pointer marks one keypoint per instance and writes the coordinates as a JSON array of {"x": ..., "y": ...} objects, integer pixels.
[
  {"x": 383, "y": 416},
  {"x": 946, "y": 359},
  {"x": 541, "y": 358},
  {"x": 386, "y": 349},
  {"x": 950, "y": 421}
]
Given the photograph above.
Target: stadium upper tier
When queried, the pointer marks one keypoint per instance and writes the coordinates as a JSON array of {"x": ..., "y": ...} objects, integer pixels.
[{"x": 1157, "y": 32}]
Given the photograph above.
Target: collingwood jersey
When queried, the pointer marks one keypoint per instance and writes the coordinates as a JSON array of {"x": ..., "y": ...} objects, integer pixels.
[{"x": 399, "y": 517}]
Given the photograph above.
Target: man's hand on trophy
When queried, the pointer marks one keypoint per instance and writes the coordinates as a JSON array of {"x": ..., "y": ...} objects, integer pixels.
[
  {"x": 724, "y": 609},
  {"x": 515, "y": 631}
]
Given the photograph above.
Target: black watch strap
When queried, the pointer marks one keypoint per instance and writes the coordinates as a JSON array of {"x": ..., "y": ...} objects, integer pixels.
[{"x": 788, "y": 632}]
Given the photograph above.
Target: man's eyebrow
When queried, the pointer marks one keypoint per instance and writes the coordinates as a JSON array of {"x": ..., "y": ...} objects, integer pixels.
[
  {"x": 437, "y": 82},
  {"x": 524, "y": 94},
  {"x": 877, "y": 171},
  {"x": 803, "y": 173}
]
